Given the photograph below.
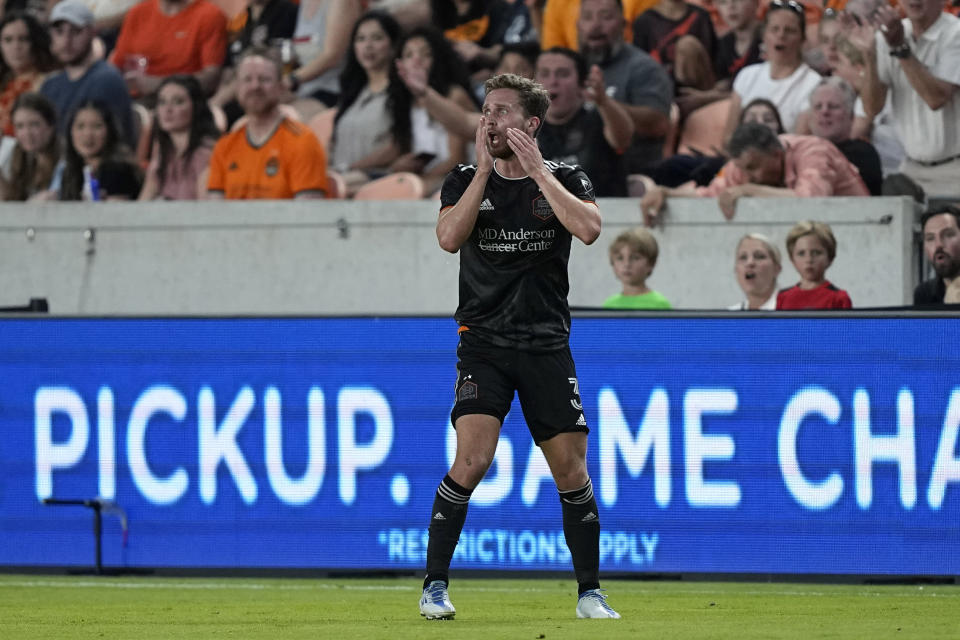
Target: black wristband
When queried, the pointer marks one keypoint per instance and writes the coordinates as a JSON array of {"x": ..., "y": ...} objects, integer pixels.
[
  {"x": 294, "y": 83},
  {"x": 901, "y": 51}
]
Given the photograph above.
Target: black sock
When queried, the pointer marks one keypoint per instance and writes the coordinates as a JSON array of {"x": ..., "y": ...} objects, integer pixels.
[
  {"x": 446, "y": 522},
  {"x": 581, "y": 528}
]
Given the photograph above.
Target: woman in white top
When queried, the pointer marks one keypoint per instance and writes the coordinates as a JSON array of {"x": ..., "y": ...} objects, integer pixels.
[
  {"x": 784, "y": 78},
  {"x": 757, "y": 265},
  {"x": 428, "y": 148}
]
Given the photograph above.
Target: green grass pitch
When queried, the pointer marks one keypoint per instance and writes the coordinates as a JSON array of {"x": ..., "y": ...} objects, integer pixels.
[{"x": 140, "y": 608}]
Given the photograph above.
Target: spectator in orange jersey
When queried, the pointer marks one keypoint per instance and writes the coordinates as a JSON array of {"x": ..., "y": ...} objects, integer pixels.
[
  {"x": 160, "y": 38},
  {"x": 270, "y": 157}
]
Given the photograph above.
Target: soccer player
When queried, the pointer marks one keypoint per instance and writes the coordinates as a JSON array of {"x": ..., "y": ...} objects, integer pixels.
[{"x": 512, "y": 217}]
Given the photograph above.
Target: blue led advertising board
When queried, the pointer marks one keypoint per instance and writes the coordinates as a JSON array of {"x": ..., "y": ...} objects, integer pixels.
[{"x": 717, "y": 444}]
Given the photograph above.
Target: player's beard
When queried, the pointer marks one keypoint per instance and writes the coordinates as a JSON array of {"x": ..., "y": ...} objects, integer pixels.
[
  {"x": 503, "y": 150},
  {"x": 503, "y": 153}
]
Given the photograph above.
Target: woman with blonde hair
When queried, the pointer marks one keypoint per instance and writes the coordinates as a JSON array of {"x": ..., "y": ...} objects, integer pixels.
[{"x": 757, "y": 265}]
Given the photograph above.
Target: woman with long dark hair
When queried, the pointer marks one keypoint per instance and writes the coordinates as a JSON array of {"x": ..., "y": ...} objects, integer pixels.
[
  {"x": 183, "y": 137},
  {"x": 428, "y": 148},
  {"x": 36, "y": 151},
  {"x": 363, "y": 144},
  {"x": 25, "y": 59},
  {"x": 97, "y": 165}
]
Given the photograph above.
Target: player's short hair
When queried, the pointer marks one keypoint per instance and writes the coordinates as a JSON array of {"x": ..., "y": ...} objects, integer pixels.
[
  {"x": 821, "y": 230},
  {"x": 936, "y": 210},
  {"x": 269, "y": 54},
  {"x": 637, "y": 239},
  {"x": 753, "y": 135},
  {"x": 579, "y": 62},
  {"x": 533, "y": 97},
  {"x": 767, "y": 244}
]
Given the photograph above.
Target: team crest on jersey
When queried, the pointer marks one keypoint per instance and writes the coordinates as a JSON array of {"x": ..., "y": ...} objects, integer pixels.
[
  {"x": 273, "y": 166},
  {"x": 542, "y": 208}
]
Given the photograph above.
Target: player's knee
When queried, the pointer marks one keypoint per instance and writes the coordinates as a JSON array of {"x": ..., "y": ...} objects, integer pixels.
[
  {"x": 571, "y": 477},
  {"x": 469, "y": 469}
]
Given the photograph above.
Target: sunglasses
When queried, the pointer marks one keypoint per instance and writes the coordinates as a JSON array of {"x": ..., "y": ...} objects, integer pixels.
[{"x": 790, "y": 5}]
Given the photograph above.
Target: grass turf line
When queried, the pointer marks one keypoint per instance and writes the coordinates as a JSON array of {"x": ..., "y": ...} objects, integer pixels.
[{"x": 146, "y": 608}]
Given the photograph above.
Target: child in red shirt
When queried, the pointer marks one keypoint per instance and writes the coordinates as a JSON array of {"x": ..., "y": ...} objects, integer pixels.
[{"x": 812, "y": 248}]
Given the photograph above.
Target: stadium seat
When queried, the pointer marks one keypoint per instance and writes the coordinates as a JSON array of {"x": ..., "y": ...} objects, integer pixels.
[
  {"x": 337, "y": 185},
  {"x": 703, "y": 130},
  {"x": 396, "y": 186},
  {"x": 322, "y": 126}
]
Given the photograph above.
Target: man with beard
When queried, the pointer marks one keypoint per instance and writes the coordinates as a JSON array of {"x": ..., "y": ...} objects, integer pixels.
[
  {"x": 633, "y": 79},
  {"x": 584, "y": 126},
  {"x": 512, "y": 217},
  {"x": 764, "y": 164},
  {"x": 941, "y": 243},
  {"x": 84, "y": 77},
  {"x": 270, "y": 157}
]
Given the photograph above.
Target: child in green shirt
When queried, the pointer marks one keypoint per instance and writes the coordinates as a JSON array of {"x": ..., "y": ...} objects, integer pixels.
[{"x": 633, "y": 255}]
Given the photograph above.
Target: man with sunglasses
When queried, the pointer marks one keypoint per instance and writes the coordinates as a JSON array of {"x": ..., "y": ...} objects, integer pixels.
[{"x": 917, "y": 60}]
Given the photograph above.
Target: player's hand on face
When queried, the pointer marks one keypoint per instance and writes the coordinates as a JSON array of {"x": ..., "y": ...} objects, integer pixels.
[
  {"x": 484, "y": 159},
  {"x": 526, "y": 150},
  {"x": 651, "y": 204}
]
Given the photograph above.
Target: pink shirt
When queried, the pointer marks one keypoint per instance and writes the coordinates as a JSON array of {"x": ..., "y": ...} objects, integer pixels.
[
  {"x": 814, "y": 167},
  {"x": 183, "y": 177}
]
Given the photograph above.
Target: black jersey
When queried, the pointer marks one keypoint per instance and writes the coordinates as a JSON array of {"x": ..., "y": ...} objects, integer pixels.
[{"x": 513, "y": 267}]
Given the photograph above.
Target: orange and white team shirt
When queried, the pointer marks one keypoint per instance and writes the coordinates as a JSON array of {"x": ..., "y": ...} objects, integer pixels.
[{"x": 292, "y": 161}]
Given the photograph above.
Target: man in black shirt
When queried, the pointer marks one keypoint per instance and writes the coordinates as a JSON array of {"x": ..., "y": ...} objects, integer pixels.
[
  {"x": 590, "y": 134},
  {"x": 512, "y": 217},
  {"x": 941, "y": 242}
]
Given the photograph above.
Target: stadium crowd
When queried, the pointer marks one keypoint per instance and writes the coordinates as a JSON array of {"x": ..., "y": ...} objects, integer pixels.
[{"x": 195, "y": 99}]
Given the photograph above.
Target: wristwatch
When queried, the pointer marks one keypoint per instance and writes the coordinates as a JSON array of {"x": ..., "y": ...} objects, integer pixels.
[
  {"x": 901, "y": 51},
  {"x": 295, "y": 82}
]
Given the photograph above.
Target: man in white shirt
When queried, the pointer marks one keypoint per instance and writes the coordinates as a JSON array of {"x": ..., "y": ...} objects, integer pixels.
[{"x": 918, "y": 60}]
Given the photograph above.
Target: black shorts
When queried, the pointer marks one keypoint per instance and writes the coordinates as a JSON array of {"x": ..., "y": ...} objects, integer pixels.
[{"x": 546, "y": 384}]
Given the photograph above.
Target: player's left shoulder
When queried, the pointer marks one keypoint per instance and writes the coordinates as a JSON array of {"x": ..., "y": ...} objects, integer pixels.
[{"x": 573, "y": 177}]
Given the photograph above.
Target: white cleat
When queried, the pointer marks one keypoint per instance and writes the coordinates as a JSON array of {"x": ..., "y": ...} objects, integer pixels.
[
  {"x": 435, "y": 603},
  {"x": 593, "y": 604}
]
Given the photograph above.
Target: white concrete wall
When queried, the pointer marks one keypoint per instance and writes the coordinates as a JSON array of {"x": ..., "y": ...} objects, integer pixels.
[{"x": 292, "y": 257}]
